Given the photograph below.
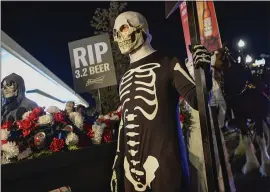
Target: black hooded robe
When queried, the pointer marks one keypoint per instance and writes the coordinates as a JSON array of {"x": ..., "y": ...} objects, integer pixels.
[
  {"x": 13, "y": 108},
  {"x": 150, "y": 153}
]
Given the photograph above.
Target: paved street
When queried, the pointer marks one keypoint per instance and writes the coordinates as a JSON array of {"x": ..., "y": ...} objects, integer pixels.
[{"x": 253, "y": 182}]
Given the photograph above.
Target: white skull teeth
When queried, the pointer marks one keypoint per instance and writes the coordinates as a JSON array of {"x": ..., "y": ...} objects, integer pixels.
[
  {"x": 135, "y": 26},
  {"x": 124, "y": 43}
]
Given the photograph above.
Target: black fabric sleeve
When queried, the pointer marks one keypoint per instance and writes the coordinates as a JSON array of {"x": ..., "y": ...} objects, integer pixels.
[{"x": 183, "y": 82}]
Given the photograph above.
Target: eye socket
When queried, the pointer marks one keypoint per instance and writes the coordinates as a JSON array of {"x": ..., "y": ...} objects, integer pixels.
[
  {"x": 8, "y": 84},
  {"x": 124, "y": 28}
]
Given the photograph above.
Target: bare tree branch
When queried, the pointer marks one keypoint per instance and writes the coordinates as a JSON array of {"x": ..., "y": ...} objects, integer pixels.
[{"x": 103, "y": 22}]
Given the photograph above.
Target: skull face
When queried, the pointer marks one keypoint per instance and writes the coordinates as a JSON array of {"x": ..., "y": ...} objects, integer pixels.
[
  {"x": 9, "y": 89},
  {"x": 130, "y": 30},
  {"x": 70, "y": 106}
]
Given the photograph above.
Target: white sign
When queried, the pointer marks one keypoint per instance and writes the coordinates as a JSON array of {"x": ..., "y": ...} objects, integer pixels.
[
  {"x": 92, "y": 63},
  {"x": 260, "y": 62}
]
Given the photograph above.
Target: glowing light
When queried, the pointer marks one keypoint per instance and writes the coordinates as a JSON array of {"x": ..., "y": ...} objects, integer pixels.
[
  {"x": 260, "y": 62},
  {"x": 248, "y": 59},
  {"x": 239, "y": 59},
  {"x": 241, "y": 43}
]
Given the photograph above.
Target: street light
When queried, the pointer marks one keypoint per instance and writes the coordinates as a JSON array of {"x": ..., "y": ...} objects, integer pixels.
[
  {"x": 241, "y": 43},
  {"x": 239, "y": 59},
  {"x": 248, "y": 59}
]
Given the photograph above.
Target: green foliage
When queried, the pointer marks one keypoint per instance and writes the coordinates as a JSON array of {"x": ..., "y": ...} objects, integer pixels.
[
  {"x": 73, "y": 147},
  {"x": 40, "y": 154},
  {"x": 103, "y": 22}
]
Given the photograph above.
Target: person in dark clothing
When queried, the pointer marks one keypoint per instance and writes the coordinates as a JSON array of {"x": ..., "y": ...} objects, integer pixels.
[
  {"x": 14, "y": 101},
  {"x": 151, "y": 153},
  {"x": 81, "y": 109},
  {"x": 247, "y": 102}
]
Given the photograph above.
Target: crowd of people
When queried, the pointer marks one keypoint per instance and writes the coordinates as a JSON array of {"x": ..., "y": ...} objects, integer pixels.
[{"x": 246, "y": 97}]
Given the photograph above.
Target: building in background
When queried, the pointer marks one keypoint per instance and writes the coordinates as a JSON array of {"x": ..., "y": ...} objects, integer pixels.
[{"x": 42, "y": 86}]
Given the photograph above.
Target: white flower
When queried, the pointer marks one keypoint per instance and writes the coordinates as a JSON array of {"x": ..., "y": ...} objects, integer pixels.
[
  {"x": 53, "y": 109},
  {"x": 45, "y": 119},
  {"x": 4, "y": 134},
  {"x": 26, "y": 153},
  {"x": 98, "y": 129},
  {"x": 103, "y": 125},
  {"x": 96, "y": 140},
  {"x": 114, "y": 117},
  {"x": 72, "y": 139},
  {"x": 4, "y": 160},
  {"x": 10, "y": 150},
  {"x": 106, "y": 117},
  {"x": 100, "y": 116},
  {"x": 77, "y": 119},
  {"x": 26, "y": 114}
]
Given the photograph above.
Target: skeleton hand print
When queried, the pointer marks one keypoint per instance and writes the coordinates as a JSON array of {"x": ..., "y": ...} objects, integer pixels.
[{"x": 201, "y": 56}]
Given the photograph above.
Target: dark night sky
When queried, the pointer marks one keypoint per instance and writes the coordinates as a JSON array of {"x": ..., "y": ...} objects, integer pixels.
[{"x": 45, "y": 28}]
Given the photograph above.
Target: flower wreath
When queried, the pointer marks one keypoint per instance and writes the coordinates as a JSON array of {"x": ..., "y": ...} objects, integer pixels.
[
  {"x": 40, "y": 133},
  {"x": 185, "y": 120}
]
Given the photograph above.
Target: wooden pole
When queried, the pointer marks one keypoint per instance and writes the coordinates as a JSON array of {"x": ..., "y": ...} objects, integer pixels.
[
  {"x": 202, "y": 97},
  {"x": 100, "y": 104},
  {"x": 211, "y": 135}
]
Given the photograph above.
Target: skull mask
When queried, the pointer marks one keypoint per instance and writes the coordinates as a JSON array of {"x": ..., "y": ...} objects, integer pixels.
[
  {"x": 130, "y": 31},
  {"x": 9, "y": 89},
  {"x": 70, "y": 106}
]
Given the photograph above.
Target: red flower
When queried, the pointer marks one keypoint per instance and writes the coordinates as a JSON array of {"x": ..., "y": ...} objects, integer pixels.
[
  {"x": 87, "y": 127},
  {"x": 110, "y": 114},
  {"x": 57, "y": 144},
  {"x": 3, "y": 142},
  {"x": 91, "y": 133},
  {"x": 107, "y": 122},
  {"x": 119, "y": 114},
  {"x": 101, "y": 120},
  {"x": 59, "y": 117},
  {"x": 182, "y": 118},
  {"x": 26, "y": 125},
  {"x": 36, "y": 113},
  {"x": 107, "y": 136},
  {"x": 6, "y": 125}
]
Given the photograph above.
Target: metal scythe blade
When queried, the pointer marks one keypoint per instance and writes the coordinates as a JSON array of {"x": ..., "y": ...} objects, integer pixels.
[{"x": 170, "y": 7}]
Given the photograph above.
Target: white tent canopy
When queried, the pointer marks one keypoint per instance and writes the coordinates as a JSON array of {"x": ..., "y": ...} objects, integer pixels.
[{"x": 14, "y": 59}]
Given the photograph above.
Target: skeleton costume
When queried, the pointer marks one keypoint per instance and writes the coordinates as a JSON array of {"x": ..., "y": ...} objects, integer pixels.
[
  {"x": 151, "y": 152},
  {"x": 14, "y": 102}
]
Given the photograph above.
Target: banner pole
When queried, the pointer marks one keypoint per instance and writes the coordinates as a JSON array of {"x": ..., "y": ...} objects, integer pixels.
[
  {"x": 100, "y": 105},
  {"x": 202, "y": 96}
]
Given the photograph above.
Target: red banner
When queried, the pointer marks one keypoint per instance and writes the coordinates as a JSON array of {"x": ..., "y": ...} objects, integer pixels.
[
  {"x": 208, "y": 26},
  {"x": 184, "y": 18}
]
